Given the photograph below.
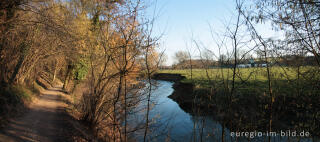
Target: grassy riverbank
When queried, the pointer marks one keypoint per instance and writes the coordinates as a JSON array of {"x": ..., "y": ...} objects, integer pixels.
[
  {"x": 285, "y": 80},
  {"x": 296, "y": 96}
]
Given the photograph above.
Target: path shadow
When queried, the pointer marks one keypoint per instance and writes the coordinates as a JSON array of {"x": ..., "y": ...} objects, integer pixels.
[{"x": 38, "y": 125}]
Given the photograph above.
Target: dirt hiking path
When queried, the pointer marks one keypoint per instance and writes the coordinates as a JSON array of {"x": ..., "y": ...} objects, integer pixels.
[{"x": 44, "y": 122}]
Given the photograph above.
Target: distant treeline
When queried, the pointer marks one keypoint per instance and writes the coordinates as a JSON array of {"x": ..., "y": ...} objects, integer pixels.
[{"x": 254, "y": 62}]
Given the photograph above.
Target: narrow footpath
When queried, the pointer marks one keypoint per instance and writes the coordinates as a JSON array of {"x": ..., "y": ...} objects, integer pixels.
[{"x": 45, "y": 121}]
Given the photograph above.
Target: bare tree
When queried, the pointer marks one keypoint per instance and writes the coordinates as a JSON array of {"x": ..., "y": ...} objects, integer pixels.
[
  {"x": 265, "y": 47},
  {"x": 181, "y": 56}
]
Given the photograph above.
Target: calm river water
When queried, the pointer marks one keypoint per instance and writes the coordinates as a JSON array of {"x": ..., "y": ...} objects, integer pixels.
[{"x": 170, "y": 122}]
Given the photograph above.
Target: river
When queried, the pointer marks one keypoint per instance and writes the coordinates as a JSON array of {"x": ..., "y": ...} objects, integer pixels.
[{"x": 170, "y": 122}]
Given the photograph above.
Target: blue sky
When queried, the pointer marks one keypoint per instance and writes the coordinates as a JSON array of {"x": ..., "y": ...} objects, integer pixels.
[{"x": 180, "y": 20}]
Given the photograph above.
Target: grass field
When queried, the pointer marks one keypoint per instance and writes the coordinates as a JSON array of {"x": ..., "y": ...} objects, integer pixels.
[{"x": 284, "y": 79}]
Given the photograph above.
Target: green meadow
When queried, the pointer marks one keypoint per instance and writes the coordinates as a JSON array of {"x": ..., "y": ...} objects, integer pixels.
[{"x": 284, "y": 80}]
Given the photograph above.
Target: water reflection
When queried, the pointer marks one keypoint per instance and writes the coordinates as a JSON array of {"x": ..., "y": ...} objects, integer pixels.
[{"x": 171, "y": 123}]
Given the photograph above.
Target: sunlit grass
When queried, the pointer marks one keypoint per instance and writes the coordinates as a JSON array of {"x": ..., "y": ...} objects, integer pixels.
[{"x": 283, "y": 79}]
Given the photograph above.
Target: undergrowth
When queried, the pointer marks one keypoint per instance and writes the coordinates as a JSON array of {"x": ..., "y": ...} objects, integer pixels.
[{"x": 13, "y": 100}]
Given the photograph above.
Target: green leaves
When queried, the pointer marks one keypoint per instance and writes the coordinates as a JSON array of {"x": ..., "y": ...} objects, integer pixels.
[{"x": 81, "y": 69}]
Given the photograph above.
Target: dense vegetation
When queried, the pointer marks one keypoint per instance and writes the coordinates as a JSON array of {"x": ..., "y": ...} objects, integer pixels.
[{"x": 95, "y": 48}]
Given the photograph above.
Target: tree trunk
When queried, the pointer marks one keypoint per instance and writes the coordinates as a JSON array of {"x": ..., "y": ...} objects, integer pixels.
[
  {"x": 66, "y": 79},
  {"x": 54, "y": 72},
  {"x": 24, "y": 52}
]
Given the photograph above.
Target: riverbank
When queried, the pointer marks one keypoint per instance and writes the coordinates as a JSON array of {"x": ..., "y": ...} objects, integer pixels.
[
  {"x": 248, "y": 108},
  {"x": 168, "y": 77},
  {"x": 186, "y": 94}
]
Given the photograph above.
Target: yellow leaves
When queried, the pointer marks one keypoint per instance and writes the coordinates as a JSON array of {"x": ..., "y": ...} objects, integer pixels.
[
  {"x": 82, "y": 47},
  {"x": 81, "y": 25},
  {"x": 272, "y": 99}
]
